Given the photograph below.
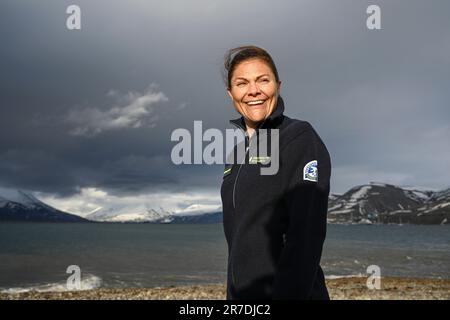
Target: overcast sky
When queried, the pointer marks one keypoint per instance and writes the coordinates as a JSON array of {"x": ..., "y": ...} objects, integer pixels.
[{"x": 86, "y": 115}]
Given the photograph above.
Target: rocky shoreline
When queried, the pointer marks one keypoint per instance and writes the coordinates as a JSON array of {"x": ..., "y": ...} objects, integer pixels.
[{"x": 352, "y": 288}]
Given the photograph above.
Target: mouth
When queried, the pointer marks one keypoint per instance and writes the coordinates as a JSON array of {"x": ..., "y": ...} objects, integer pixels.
[{"x": 255, "y": 103}]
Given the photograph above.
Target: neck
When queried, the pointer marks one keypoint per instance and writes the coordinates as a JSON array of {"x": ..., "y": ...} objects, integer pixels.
[
  {"x": 251, "y": 127},
  {"x": 250, "y": 131}
]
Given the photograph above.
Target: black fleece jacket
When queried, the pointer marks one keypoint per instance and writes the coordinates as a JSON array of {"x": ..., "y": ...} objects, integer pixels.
[{"x": 275, "y": 225}]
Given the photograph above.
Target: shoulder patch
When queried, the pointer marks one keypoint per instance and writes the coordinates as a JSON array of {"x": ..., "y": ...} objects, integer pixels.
[{"x": 310, "y": 171}]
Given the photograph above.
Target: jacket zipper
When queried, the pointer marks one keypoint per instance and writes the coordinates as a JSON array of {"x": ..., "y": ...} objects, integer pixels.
[
  {"x": 233, "y": 278},
  {"x": 237, "y": 174},
  {"x": 245, "y": 156}
]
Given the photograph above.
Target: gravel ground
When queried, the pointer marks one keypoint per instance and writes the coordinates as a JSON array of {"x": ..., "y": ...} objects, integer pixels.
[{"x": 340, "y": 289}]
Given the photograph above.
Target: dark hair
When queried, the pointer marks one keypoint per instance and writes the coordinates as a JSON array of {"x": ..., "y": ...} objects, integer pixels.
[{"x": 235, "y": 56}]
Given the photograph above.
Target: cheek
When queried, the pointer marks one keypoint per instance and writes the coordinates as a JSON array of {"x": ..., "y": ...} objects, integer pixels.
[
  {"x": 272, "y": 91},
  {"x": 238, "y": 96},
  {"x": 238, "y": 104}
]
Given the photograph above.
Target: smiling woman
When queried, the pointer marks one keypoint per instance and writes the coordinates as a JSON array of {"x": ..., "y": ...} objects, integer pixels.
[
  {"x": 275, "y": 224},
  {"x": 253, "y": 84}
]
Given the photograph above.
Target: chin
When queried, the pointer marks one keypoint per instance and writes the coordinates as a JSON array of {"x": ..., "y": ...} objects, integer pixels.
[{"x": 256, "y": 120}]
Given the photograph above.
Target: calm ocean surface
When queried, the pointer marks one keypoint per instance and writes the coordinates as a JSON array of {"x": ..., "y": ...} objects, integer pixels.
[{"x": 36, "y": 255}]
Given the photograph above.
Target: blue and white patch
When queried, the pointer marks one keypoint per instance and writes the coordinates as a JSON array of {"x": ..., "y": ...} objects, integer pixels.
[{"x": 310, "y": 171}]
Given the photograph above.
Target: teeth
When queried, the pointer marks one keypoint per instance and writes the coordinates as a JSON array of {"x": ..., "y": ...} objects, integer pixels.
[{"x": 251, "y": 103}]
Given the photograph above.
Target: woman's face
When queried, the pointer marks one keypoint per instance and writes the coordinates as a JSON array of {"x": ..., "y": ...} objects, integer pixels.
[{"x": 254, "y": 90}]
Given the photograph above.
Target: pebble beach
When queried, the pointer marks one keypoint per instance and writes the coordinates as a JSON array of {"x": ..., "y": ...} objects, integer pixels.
[{"x": 352, "y": 288}]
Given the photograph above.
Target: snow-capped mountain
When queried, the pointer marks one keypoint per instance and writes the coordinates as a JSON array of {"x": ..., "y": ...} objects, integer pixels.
[
  {"x": 198, "y": 209},
  {"x": 385, "y": 203},
  {"x": 18, "y": 205},
  {"x": 139, "y": 213},
  {"x": 195, "y": 213}
]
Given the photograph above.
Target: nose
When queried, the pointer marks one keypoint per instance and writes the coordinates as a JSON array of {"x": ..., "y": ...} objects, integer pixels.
[{"x": 253, "y": 89}]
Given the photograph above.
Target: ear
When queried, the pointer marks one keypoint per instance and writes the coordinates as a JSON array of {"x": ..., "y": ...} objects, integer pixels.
[
  {"x": 229, "y": 93},
  {"x": 279, "y": 87}
]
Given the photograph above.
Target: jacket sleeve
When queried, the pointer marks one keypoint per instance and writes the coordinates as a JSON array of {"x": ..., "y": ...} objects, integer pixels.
[{"x": 306, "y": 203}]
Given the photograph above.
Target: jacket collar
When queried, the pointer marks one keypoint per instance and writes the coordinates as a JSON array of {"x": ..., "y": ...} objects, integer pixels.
[{"x": 272, "y": 121}]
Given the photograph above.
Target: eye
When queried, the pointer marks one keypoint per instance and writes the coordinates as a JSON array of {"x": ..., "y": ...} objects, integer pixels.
[
  {"x": 240, "y": 84},
  {"x": 265, "y": 80}
]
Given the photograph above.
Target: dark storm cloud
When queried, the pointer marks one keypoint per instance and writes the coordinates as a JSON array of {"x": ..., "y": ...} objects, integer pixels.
[{"x": 379, "y": 99}]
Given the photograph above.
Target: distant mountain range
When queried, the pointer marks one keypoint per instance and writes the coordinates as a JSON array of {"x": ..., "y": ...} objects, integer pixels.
[
  {"x": 385, "y": 203},
  {"x": 365, "y": 204},
  {"x": 18, "y": 205}
]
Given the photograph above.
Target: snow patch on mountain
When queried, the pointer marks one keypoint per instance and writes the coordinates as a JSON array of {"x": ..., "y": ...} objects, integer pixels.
[{"x": 360, "y": 194}]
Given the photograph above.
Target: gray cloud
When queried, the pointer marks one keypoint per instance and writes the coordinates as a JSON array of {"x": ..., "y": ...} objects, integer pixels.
[
  {"x": 136, "y": 110},
  {"x": 379, "y": 99}
]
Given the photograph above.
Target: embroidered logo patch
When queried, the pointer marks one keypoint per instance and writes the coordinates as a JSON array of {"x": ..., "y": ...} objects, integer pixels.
[
  {"x": 261, "y": 160},
  {"x": 310, "y": 172}
]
